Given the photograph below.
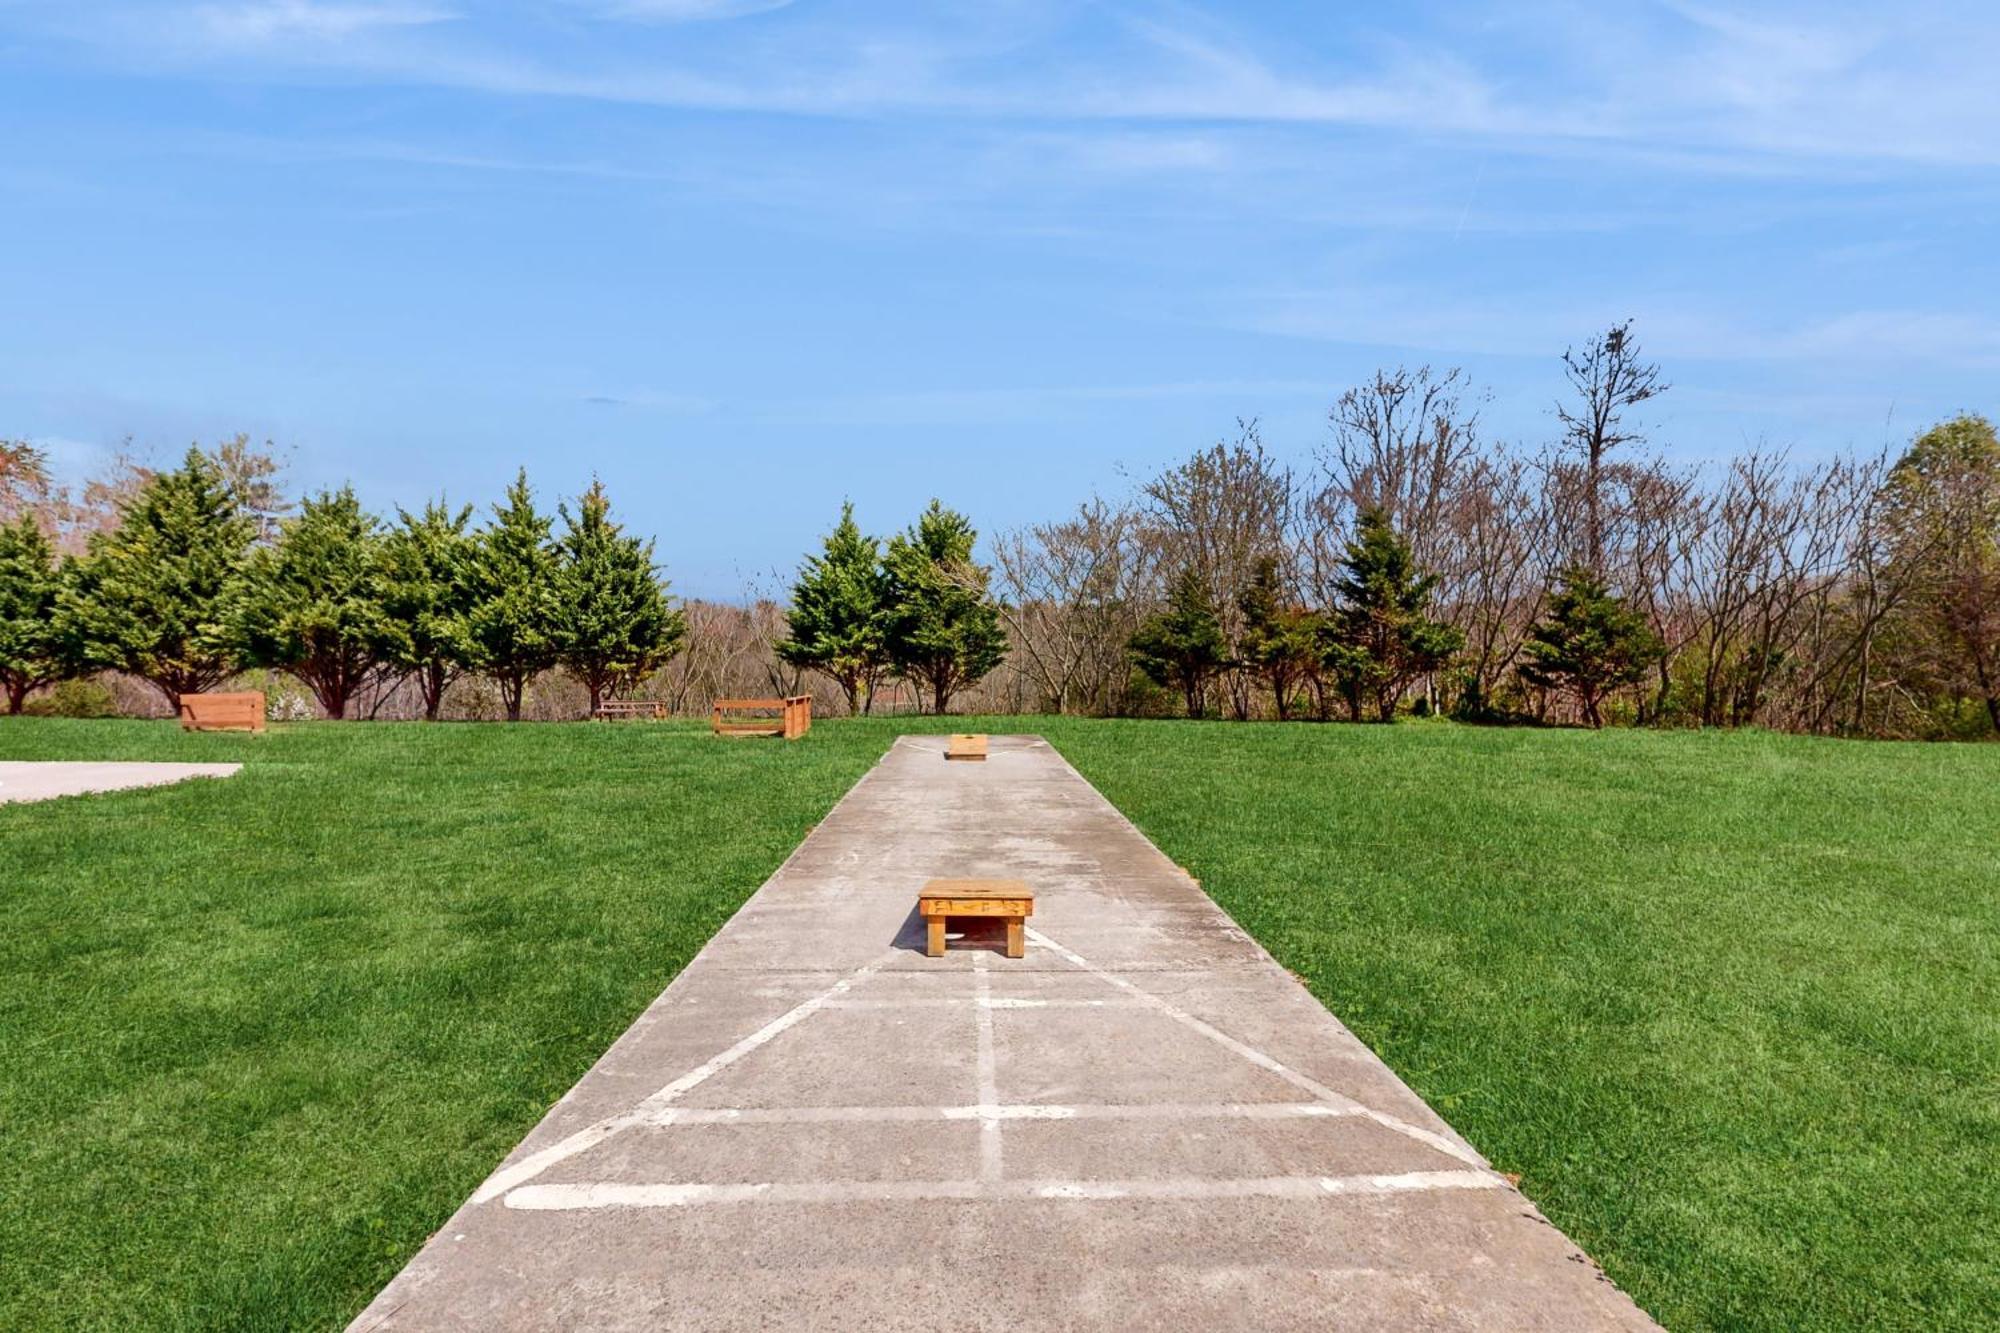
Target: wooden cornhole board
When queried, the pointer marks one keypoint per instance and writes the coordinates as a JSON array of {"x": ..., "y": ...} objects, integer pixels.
[
  {"x": 242, "y": 710},
  {"x": 1011, "y": 900},
  {"x": 966, "y": 747}
]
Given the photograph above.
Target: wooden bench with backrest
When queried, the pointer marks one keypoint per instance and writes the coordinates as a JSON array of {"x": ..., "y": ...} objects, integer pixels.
[
  {"x": 1008, "y": 900},
  {"x": 627, "y": 710},
  {"x": 790, "y": 717},
  {"x": 241, "y": 710}
]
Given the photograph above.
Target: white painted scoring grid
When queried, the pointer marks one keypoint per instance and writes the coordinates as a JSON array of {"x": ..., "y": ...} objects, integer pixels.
[{"x": 513, "y": 1183}]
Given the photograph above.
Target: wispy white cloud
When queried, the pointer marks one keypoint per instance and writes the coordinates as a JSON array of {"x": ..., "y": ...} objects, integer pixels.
[
  {"x": 1906, "y": 82},
  {"x": 1423, "y": 322},
  {"x": 1025, "y": 403},
  {"x": 1683, "y": 84},
  {"x": 276, "y": 21},
  {"x": 1932, "y": 336},
  {"x": 683, "y": 11}
]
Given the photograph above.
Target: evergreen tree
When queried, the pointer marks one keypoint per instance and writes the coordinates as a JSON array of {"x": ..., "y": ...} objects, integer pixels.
[
  {"x": 31, "y": 647},
  {"x": 511, "y": 577},
  {"x": 1181, "y": 646},
  {"x": 425, "y": 595},
  {"x": 613, "y": 623},
  {"x": 836, "y": 621},
  {"x": 149, "y": 597},
  {"x": 1278, "y": 641},
  {"x": 311, "y": 603},
  {"x": 1589, "y": 643},
  {"x": 1382, "y": 619},
  {"x": 941, "y": 628}
]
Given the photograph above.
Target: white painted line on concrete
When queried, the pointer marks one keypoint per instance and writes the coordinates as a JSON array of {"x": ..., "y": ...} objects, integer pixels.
[
  {"x": 667, "y": 1117},
  {"x": 590, "y": 1136},
  {"x": 989, "y": 1087},
  {"x": 1010, "y": 1002},
  {"x": 1263, "y": 1061},
  {"x": 988, "y": 1001},
  {"x": 656, "y": 1109},
  {"x": 1154, "y": 1111},
  {"x": 612, "y": 1194}
]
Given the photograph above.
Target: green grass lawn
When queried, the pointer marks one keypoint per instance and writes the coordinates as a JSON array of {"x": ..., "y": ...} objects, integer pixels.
[{"x": 1726, "y": 1002}]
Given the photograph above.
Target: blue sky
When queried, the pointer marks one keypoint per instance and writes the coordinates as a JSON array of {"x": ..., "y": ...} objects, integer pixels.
[{"x": 742, "y": 259}]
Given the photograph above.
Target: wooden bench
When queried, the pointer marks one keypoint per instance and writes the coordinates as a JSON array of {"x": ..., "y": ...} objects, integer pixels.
[
  {"x": 966, "y": 747},
  {"x": 627, "y": 710},
  {"x": 242, "y": 710},
  {"x": 789, "y": 717},
  {"x": 1010, "y": 900}
]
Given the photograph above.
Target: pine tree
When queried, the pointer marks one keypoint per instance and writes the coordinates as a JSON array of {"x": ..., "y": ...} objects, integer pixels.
[
  {"x": 941, "y": 628},
  {"x": 1278, "y": 642},
  {"x": 311, "y": 603},
  {"x": 426, "y": 565},
  {"x": 1382, "y": 620},
  {"x": 1589, "y": 643},
  {"x": 613, "y": 624},
  {"x": 511, "y": 621},
  {"x": 836, "y": 621},
  {"x": 1181, "y": 646},
  {"x": 149, "y": 597},
  {"x": 31, "y": 646}
]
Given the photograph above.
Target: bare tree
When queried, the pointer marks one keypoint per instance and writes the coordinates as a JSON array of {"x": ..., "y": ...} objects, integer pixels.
[
  {"x": 1660, "y": 513},
  {"x": 1073, "y": 593},
  {"x": 1218, "y": 514},
  {"x": 1609, "y": 379},
  {"x": 1493, "y": 588},
  {"x": 257, "y": 475},
  {"x": 1405, "y": 443}
]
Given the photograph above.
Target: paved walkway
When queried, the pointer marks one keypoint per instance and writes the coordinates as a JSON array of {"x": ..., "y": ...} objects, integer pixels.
[
  {"x": 44, "y": 780},
  {"x": 1144, "y": 1123}
]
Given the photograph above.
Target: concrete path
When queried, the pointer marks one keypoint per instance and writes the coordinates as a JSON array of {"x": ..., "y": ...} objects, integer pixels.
[
  {"x": 43, "y": 781},
  {"x": 1144, "y": 1123}
]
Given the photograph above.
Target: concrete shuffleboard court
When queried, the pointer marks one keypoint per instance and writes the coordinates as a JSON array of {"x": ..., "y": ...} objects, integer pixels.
[
  {"x": 1143, "y": 1123},
  {"x": 40, "y": 780}
]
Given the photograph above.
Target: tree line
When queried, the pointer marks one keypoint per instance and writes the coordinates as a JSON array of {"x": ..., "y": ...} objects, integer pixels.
[
  {"x": 201, "y": 575},
  {"x": 1412, "y": 564},
  {"x": 919, "y": 610},
  {"x": 1417, "y": 565},
  {"x": 188, "y": 577}
]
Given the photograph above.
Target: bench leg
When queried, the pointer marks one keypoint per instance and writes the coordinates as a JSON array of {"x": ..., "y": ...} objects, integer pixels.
[
  {"x": 1017, "y": 944},
  {"x": 934, "y": 936}
]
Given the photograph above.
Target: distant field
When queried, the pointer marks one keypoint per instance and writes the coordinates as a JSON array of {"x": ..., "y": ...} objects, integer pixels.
[{"x": 1727, "y": 1003}]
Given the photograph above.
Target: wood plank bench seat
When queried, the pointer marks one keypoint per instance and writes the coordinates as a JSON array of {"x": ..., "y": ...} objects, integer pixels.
[
  {"x": 790, "y": 717},
  {"x": 625, "y": 710},
  {"x": 966, "y": 747},
  {"x": 1010, "y": 900},
  {"x": 239, "y": 710}
]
